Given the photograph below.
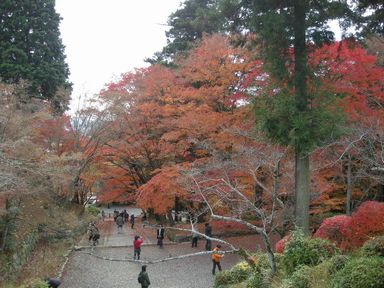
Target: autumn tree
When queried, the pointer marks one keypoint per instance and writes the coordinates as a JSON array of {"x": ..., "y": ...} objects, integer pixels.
[
  {"x": 29, "y": 169},
  {"x": 289, "y": 29},
  {"x": 356, "y": 76},
  {"x": 89, "y": 133},
  {"x": 165, "y": 116},
  {"x": 53, "y": 134},
  {"x": 375, "y": 46},
  {"x": 229, "y": 190}
]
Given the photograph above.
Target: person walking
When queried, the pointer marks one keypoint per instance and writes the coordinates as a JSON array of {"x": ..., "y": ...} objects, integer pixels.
[
  {"x": 53, "y": 282},
  {"x": 94, "y": 233},
  {"x": 137, "y": 247},
  {"x": 195, "y": 237},
  {"x": 144, "y": 219},
  {"x": 115, "y": 214},
  {"x": 126, "y": 215},
  {"x": 208, "y": 232},
  {"x": 143, "y": 277},
  {"x": 216, "y": 257},
  {"x": 160, "y": 235},
  {"x": 132, "y": 220},
  {"x": 119, "y": 223}
]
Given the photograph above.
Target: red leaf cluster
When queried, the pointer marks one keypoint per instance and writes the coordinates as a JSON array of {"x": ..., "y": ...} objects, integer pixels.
[
  {"x": 166, "y": 117},
  {"x": 335, "y": 229},
  {"x": 280, "y": 245},
  {"x": 350, "y": 232}
]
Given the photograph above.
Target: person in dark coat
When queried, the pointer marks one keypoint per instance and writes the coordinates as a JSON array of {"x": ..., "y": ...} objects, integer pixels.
[
  {"x": 160, "y": 235},
  {"x": 195, "y": 237},
  {"x": 115, "y": 214},
  {"x": 144, "y": 219},
  {"x": 143, "y": 277},
  {"x": 132, "y": 220},
  {"x": 126, "y": 215},
  {"x": 52, "y": 282},
  {"x": 119, "y": 223},
  {"x": 208, "y": 232}
]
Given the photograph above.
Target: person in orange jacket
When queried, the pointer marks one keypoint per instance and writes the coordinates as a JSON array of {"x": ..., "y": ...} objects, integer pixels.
[{"x": 216, "y": 257}]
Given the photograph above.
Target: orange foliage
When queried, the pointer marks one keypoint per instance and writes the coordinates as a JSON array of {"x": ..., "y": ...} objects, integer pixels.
[
  {"x": 54, "y": 134},
  {"x": 163, "y": 117},
  {"x": 161, "y": 191},
  {"x": 173, "y": 115}
]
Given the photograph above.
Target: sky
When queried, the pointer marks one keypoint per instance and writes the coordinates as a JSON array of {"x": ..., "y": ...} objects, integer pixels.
[{"x": 104, "y": 38}]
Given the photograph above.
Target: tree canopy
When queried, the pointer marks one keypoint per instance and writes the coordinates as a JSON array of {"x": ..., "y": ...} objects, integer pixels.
[{"x": 31, "y": 50}]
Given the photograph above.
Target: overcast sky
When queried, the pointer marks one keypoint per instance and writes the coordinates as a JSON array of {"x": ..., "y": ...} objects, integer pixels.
[{"x": 104, "y": 38}]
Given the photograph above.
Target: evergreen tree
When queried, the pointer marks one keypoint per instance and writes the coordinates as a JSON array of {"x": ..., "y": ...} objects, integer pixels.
[
  {"x": 294, "y": 116},
  {"x": 188, "y": 24},
  {"x": 287, "y": 28},
  {"x": 370, "y": 16},
  {"x": 31, "y": 49}
]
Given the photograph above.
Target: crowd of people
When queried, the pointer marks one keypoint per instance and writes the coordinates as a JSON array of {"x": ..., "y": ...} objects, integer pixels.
[{"x": 122, "y": 217}]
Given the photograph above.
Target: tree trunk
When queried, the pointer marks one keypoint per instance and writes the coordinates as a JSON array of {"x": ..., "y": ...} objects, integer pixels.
[
  {"x": 301, "y": 98},
  {"x": 170, "y": 219},
  {"x": 380, "y": 192},
  {"x": 302, "y": 196},
  {"x": 75, "y": 196},
  {"x": 4, "y": 240},
  {"x": 271, "y": 256},
  {"x": 348, "y": 207}
]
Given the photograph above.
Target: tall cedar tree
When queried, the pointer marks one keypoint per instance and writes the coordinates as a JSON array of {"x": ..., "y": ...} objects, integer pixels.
[
  {"x": 370, "y": 16},
  {"x": 285, "y": 26},
  {"x": 188, "y": 24},
  {"x": 31, "y": 49}
]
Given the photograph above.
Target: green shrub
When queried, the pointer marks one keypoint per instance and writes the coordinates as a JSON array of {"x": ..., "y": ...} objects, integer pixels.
[
  {"x": 170, "y": 235},
  {"x": 308, "y": 277},
  {"x": 336, "y": 263},
  {"x": 256, "y": 281},
  {"x": 301, "y": 250},
  {"x": 222, "y": 279},
  {"x": 240, "y": 272},
  {"x": 360, "y": 273},
  {"x": 262, "y": 262},
  {"x": 8, "y": 222},
  {"x": 36, "y": 283},
  {"x": 92, "y": 210},
  {"x": 301, "y": 277},
  {"x": 374, "y": 247}
]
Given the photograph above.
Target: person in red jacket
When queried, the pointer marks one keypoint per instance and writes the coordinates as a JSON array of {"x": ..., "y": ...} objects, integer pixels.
[{"x": 137, "y": 247}]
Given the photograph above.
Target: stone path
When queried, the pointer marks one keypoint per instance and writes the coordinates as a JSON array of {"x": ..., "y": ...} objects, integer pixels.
[{"x": 86, "y": 268}]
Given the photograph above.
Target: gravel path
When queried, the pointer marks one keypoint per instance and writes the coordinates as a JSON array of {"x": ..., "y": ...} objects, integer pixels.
[
  {"x": 85, "y": 271},
  {"x": 91, "y": 271}
]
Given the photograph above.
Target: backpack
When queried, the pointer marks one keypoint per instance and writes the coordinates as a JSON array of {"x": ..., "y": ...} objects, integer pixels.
[{"x": 140, "y": 278}]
